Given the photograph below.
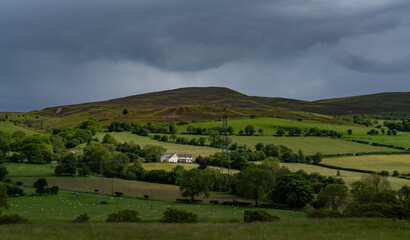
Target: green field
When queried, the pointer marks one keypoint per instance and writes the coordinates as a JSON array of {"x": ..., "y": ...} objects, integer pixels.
[
  {"x": 65, "y": 206},
  {"x": 171, "y": 147},
  {"x": 402, "y": 139},
  {"x": 11, "y": 128},
  {"x": 348, "y": 176},
  {"x": 30, "y": 170},
  {"x": 269, "y": 125},
  {"x": 376, "y": 163},
  {"x": 306, "y": 229}
]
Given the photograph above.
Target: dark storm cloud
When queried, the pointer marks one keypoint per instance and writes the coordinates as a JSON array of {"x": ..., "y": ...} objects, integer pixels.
[{"x": 60, "y": 52}]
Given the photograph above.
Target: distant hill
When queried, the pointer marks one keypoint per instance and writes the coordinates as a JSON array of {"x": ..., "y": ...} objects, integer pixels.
[{"x": 208, "y": 103}]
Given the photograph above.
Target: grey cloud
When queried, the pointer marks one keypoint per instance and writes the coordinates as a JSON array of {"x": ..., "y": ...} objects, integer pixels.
[{"x": 291, "y": 48}]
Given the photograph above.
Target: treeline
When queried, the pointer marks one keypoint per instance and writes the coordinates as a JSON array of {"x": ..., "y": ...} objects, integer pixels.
[
  {"x": 207, "y": 131},
  {"x": 143, "y": 130},
  {"x": 40, "y": 149},
  {"x": 114, "y": 157},
  {"x": 379, "y": 145},
  {"x": 402, "y": 125},
  {"x": 372, "y": 197},
  {"x": 243, "y": 156},
  {"x": 358, "y": 119}
]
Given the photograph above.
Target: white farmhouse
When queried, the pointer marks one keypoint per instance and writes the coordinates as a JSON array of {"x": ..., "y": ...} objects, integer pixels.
[{"x": 174, "y": 158}]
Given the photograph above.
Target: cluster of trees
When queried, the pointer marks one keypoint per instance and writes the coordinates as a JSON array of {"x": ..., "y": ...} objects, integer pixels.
[
  {"x": 41, "y": 187},
  {"x": 42, "y": 149},
  {"x": 148, "y": 128},
  {"x": 114, "y": 156},
  {"x": 372, "y": 197},
  {"x": 402, "y": 125},
  {"x": 292, "y": 131},
  {"x": 363, "y": 120},
  {"x": 285, "y": 154},
  {"x": 323, "y": 133},
  {"x": 205, "y": 131}
]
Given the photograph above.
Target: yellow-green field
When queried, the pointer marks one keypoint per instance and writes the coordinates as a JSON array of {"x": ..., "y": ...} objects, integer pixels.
[
  {"x": 376, "y": 163},
  {"x": 347, "y": 176},
  {"x": 11, "y": 128}
]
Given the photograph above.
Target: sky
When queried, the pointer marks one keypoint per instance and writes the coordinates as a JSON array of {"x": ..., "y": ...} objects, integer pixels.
[{"x": 67, "y": 52}]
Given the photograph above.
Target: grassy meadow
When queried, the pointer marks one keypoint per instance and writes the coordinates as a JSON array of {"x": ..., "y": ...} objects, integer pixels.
[
  {"x": 376, "y": 163},
  {"x": 307, "y": 229},
  {"x": 66, "y": 206},
  {"x": 11, "y": 128},
  {"x": 348, "y": 176}
]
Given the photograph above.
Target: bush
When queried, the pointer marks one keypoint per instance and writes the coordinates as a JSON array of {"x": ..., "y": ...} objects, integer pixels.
[
  {"x": 12, "y": 219},
  {"x": 83, "y": 218},
  {"x": 258, "y": 216},
  {"x": 126, "y": 215},
  {"x": 384, "y": 173},
  {"x": 173, "y": 215},
  {"x": 14, "y": 191},
  {"x": 322, "y": 213},
  {"x": 119, "y": 194}
]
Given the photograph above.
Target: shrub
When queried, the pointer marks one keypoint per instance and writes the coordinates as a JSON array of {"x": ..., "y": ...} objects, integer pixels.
[
  {"x": 384, "y": 173},
  {"x": 12, "y": 219},
  {"x": 322, "y": 213},
  {"x": 258, "y": 216},
  {"x": 126, "y": 215},
  {"x": 83, "y": 218},
  {"x": 119, "y": 194},
  {"x": 173, "y": 215}
]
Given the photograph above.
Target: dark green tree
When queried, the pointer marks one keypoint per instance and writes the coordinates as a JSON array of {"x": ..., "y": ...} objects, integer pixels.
[
  {"x": 195, "y": 182},
  {"x": 254, "y": 182},
  {"x": 125, "y": 111},
  {"x": 249, "y": 130},
  {"x": 40, "y": 185}
]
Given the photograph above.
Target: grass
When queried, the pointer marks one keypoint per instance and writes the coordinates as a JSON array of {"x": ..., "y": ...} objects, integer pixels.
[
  {"x": 402, "y": 139},
  {"x": 376, "y": 163},
  {"x": 347, "y": 176},
  {"x": 269, "y": 125},
  {"x": 30, "y": 170},
  {"x": 307, "y": 229},
  {"x": 130, "y": 188},
  {"x": 171, "y": 147},
  {"x": 65, "y": 206},
  {"x": 11, "y": 128},
  {"x": 310, "y": 145}
]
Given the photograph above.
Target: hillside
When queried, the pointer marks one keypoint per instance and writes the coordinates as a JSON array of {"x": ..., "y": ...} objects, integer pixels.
[{"x": 208, "y": 103}]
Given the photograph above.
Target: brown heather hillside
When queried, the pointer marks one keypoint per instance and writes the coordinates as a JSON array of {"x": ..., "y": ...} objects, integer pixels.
[{"x": 208, "y": 103}]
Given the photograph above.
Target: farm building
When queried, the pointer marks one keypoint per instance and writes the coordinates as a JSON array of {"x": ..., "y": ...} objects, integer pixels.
[{"x": 173, "y": 157}]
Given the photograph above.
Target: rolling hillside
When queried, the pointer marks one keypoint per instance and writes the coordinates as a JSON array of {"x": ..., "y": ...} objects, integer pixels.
[{"x": 208, "y": 103}]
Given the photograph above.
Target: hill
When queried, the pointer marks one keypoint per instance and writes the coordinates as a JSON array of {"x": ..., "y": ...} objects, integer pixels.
[{"x": 208, "y": 103}]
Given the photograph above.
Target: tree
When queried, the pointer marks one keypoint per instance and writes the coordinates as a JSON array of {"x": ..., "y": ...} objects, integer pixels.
[
  {"x": 109, "y": 139},
  {"x": 153, "y": 153},
  {"x": 280, "y": 132},
  {"x": 68, "y": 165},
  {"x": 3, "y": 172},
  {"x": 333, "y": 195},
  {"x": 254, "y": 182},
  {"x": 376, "y": 183},
  {"x": 293, "y": 190},
  {"x": 91, "y": 124},
  {"x": 125, "y": 111},
  {"x": 40, "y": 185},
  {"x": 260, "y": 131},
  {"x": 195, "y": 182},
  {"x": 5, "y": 140},
  {"x": 250, "y": 130},
  {"x": 349, "y": 131},
  {"x": 3, "y": 196}
]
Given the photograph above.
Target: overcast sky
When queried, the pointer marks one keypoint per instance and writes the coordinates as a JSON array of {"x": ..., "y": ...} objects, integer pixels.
[{"x": 56, "y": 52}]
